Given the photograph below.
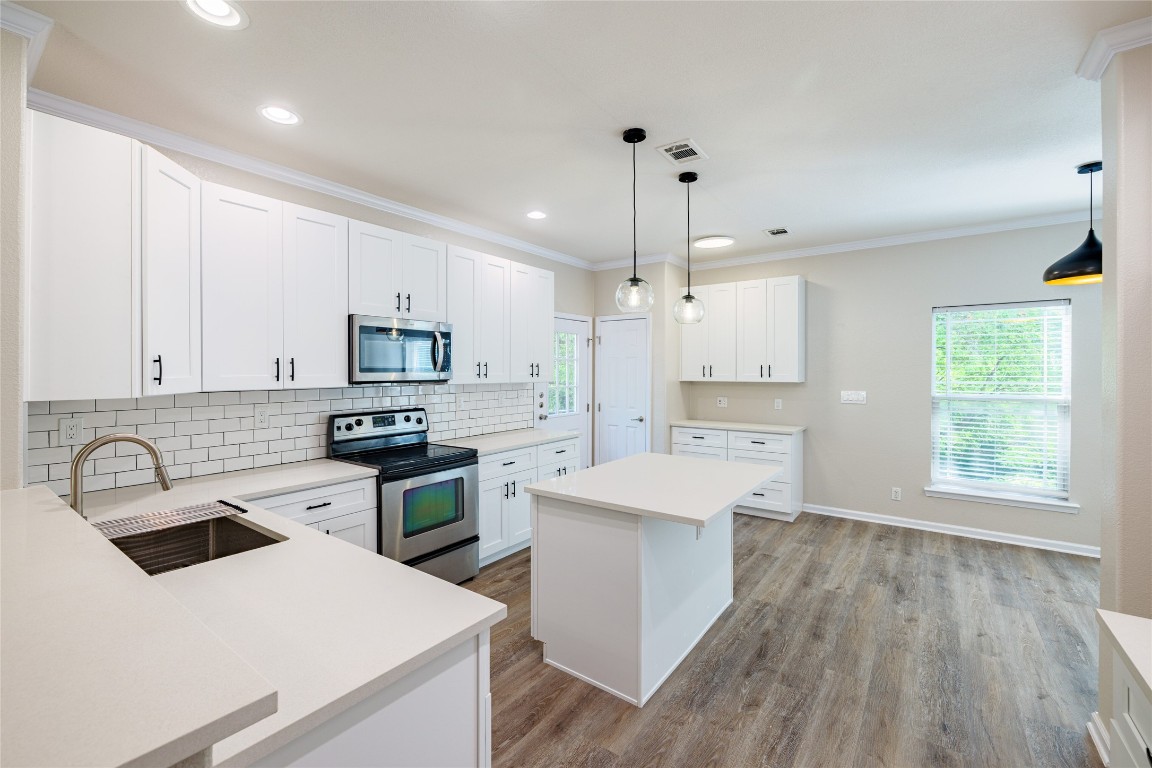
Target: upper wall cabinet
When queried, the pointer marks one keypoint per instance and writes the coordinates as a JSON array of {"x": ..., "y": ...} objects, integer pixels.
[
  {"x": 170, "y": 275},
  {"x": 395, "y": 274},
  {"x": 479, "y": 299},
  {"x": 753, "y": 330},
  {"x": 530, "y": 333},
  {"x": 315, "y": 298}
]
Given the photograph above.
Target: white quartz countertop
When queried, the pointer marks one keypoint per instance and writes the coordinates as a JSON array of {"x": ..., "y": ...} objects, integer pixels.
[
  {"x": 244, "y": 485},
  {"x": 738, "y": 426},
  {"x": 100, "y": 665},
  {"x": 510, "y": 441},
  {"x": 677, "y": 488},
  {"x": 1133, "y": 635}
]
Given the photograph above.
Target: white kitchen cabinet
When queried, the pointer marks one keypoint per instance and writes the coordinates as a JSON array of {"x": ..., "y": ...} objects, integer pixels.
[
  {"x": 242, "y": 268},
  {"x": 519, "y": 507},
  {"x": 83, "y": 265},
  {"x": 348, "y": 511},
  {"x": 543, "y": 322},
  {"x": 1127, "y": 639},
  {"x": 315, "y": 299},
  {"x": 356, "y": 528},
  {"x": 396, "y": 274},
  {"x": 170, "y": 275},
  {"x": 494, "y": 534},
  {"x": 505, "y": 514},
  {"x": 479, "y": 288},
  {"x": 708, "y": 348},
  {"x": 752, "y": 343},
  {"x": 770, "y": 329},
  {"x": 532, "y": 320}
]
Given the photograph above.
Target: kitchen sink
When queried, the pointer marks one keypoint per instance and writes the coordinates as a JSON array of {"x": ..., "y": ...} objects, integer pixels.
[{"x": 183, "y": 544}]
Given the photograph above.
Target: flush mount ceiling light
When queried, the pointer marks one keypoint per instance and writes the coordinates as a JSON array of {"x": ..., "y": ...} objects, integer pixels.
[
  {"x": 688, "y": 309},
  {"x": 713, "y": 241},
  {"x": 537, "y": 215},
  {"x": 1086, "y": 263},
  {"x": 219, "y": 12},
  {"x": 634, "y": 294},
  {"x": 280, "y": 115}
]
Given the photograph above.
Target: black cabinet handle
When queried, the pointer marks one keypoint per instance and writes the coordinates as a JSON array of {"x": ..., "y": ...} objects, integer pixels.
[
  {"x": 757, "y": 442},
  {"x": 291, "y": 369},
  {"x": 531, "y": 368},
  {"x": 709, "y": 371},
  {"x": 277, "y": 369},
  {"x": 485, "y": 370},
  {"x": 477, "y": 370},
  {"x": 565, "y": 470},
  {"x": 562, "y": 450},
  {"x": 761, "y": 370},
  {"x": 318, "y": 506},
  {"x": 757, "y": 494},
  {"x": 505, "y": 490},
  {"x": 697, "y": 437},
  {"x": 703, "y": 371},
  {"x": 397, "y": 303},
  {"x": 409, "y": 309},
  {"x": 160, "y": 375},
  {"x": 557, "y": 473},
  {"x": 507, "y": 463},
  {"x": 769, "y": 370},
  {"x": 513, "y": 488}
]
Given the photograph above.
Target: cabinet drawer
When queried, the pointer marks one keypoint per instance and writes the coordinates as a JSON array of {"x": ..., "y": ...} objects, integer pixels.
[
  {"x": 499, "y": 464},
  {"x": 776, "y": 497},
  {"x": 327, "y": 500},
  {"x": 714, "y": 438},
  {"x": 550, "y": 453},
  {"x": 700, "y": 452},
  {"x": 760, "y": 441},
  {"x": 781, "y": 460}
]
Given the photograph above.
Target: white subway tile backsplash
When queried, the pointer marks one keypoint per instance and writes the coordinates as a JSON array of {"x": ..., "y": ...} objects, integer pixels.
[{"x": 206, "y": 433}]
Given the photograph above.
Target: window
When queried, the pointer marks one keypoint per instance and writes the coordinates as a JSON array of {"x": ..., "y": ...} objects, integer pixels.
[
  {"x": 562, "y": 394},
  {"x": 1001, "y": 398}
]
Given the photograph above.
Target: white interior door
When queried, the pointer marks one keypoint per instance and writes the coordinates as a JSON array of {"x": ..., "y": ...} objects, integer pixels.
[
  {"x": 568, "y": 400},
  {"x": 622, "y": 388}
]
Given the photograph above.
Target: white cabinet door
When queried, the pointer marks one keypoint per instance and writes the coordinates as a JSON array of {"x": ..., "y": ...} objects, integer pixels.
[
  {"x": 464, "y": 272},
  {"x": 493, "y": 342},
  {"x": 543, "y": 323},
  {"x": 315, "y": 299},
  {"x": 694, "y": 341},
  {"x": 243, "y": 290},
  {"x": 170, "y": 275},
  {"x": 521, "y": 315},
  {"x": 518, "y": 507},
  {"x": 358, "y": 528},
  {"x": 720, "y": 314},
  {"x": 82, "y": 300},
  {"x": 373, "y": 257},
  {"x": 752, "y": 359},
  {"x": 493, "y": 522},
  {"x": 421, "y": 278},
  {"x": 785, "y": 328}
]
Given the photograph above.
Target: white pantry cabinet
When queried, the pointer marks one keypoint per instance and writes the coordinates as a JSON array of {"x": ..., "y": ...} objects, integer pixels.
[
  {"x": 396, "y": 274},
  {"x": 315, "y": 298},
  {"x": 532, "y": 313},
  {"x": 170, "y": 275},
  {"x": 479, "y": 290},
  {"x": 770, "y": 329},
  {"x": 708, "y": 348}
]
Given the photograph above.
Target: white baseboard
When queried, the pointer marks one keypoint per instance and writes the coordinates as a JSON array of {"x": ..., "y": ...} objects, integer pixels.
[
  {"x": 958, "y": 530},
  {"x": 1099, "y": 735}
]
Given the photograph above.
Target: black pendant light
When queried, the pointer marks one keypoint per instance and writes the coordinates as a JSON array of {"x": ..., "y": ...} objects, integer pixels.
[
  {"x": 1086, "y": 263},
  {"x": 688, "y": 309},
  {"x": 634, "y": 294}
]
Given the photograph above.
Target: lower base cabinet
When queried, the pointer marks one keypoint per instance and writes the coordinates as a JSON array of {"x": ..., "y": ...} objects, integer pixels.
[{"x": 347, "y": 511}]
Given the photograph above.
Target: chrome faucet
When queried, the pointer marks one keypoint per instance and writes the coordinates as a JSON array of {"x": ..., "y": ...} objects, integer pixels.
[{"x": 76, "y": 497}]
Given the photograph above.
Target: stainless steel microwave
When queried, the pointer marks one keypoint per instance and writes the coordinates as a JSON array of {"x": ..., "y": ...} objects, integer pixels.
[{"x": 392, "y": 349}]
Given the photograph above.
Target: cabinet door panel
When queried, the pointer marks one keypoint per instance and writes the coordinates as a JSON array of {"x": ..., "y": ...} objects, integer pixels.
[
  {"x": 493, "y": 339},
  {"x": 520, "y": 314},
  {"x": 786, "y": 328},
  {"x": 752, "y": 341},
  {"x": 243, "y": 290},
  {"x": 315, "y": 299},
  {"x": 543, "y": 323},
  {"x": 694, "y": 341},
  {"x": 373, "y": 254},
  {"x": 720, "y": 315},
  {"x": 170, "y": 275},
  {"x": 519, "y": 506},
  {"x": 421, "y": 265},
  {"x": 493, "y": 521},
  {"x": 358, "y": 528},
  {"x": 464, "y": 273}
]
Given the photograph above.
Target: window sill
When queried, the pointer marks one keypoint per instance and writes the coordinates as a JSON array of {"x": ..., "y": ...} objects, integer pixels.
[{"x": 1005, "y": 499}]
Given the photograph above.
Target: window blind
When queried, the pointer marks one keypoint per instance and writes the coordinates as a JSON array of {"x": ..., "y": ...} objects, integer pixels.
[{"x": 1001, "y": 397}]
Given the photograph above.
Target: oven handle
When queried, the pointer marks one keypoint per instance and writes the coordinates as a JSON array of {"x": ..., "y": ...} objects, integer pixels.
[{"x": 437, "y": 351}]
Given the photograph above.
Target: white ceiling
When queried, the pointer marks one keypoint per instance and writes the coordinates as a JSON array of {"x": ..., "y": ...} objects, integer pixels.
[{"x": 842, "y": 121}]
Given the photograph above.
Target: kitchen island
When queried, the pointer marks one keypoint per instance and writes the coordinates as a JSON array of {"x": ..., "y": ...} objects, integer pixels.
[{"x": 631, "y": 564}]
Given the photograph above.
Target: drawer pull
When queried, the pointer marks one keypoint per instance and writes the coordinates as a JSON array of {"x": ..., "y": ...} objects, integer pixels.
[
  {"x": 757, "y": 494},
  {"x": 508, "y": 463},
  {"x": 757, "y": 442},
  {"x": 562, "y": 450},
  {"x": 697, "y": 437},
  {"x": 318, "y": 506}
]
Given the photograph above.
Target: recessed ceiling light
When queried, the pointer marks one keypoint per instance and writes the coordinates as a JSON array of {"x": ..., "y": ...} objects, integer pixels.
[
  {"x": 222, "y": 13},
  {"x": 537, "y": 215},
  {"x": 714, "y": 241},
  {"x": 280, "y": 115}
]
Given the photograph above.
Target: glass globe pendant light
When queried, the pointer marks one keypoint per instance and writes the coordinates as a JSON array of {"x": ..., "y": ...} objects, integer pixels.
[
  {"x": 688, "y": 309},
  {"x": 634, "y": 294},
  {"x": 1086, "y": 263}
]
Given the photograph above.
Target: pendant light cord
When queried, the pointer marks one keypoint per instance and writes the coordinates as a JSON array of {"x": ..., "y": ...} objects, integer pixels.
[
  {"x": 1091, "y": 200},
  {"x": 688, "y": 235},
  {"x": 633, "y": 211}
]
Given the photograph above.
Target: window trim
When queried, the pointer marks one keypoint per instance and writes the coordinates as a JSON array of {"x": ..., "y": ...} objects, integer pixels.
[{"x": 1005, "y": 499}]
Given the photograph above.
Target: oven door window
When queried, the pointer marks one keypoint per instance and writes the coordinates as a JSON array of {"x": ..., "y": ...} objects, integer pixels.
[
  {"x": 395, "y": 350},
  {"x": 432, "y": 506}
]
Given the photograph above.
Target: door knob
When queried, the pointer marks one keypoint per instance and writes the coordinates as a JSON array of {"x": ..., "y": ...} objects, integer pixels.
[
  {"x": 638, "y": 418},
  {"x": 542, "y": 416}
]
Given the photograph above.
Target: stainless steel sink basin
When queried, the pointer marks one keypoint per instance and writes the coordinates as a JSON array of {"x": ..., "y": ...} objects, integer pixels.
[{"x": 166, "y": 544}]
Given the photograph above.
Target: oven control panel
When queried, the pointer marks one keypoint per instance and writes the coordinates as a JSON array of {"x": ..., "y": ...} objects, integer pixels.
[{"x": 371, "y": 424}]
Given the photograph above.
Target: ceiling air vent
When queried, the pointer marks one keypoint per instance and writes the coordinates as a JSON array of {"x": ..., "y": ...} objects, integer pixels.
[
  {"x": 682, "y": 152},
  {"x": 775, "y": 232}
]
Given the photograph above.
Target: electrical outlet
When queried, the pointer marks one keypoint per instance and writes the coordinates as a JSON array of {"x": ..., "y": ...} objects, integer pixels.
[
  {"x": 261, "y": 416},
  {"x": 854, "y": 397},
  {"x": 721, "y": 402},
  {"x": 779, "y": 404},
  {"x": 71, "y": 431},
  {"x": 897, "y": 494}
]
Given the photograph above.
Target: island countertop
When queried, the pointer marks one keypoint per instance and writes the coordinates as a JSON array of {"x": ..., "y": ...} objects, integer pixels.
[{"x": 676, "y": 488}]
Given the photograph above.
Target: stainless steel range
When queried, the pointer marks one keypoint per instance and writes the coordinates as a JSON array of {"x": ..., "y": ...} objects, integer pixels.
[{"x": 429, "y": 493}]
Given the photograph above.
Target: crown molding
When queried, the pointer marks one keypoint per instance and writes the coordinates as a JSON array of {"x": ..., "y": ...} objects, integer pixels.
[
  {"x": 29, "y": 24},
  {"x": 913, "y": 237},
  {"x": 1111, "y": 41},
  {"x": 654, "y": 258},
  {"x": 162, "y": 137}
]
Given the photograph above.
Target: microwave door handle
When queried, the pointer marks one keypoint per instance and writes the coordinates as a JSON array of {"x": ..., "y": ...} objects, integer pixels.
[{"x": 437, "y": 351}]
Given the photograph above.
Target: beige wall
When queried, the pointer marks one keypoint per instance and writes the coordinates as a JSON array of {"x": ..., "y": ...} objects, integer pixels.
[
  {"x": 869, "y": 328},
  {"x": 573, "y": 285},
  {"x": 12, "y": 77}
]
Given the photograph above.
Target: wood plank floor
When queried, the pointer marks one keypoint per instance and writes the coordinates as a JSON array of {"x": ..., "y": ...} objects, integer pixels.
[{"x": 848, "y": 643}]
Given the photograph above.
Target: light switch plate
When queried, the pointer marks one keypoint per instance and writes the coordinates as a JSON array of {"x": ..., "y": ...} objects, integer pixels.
[
  {"x": 779, "y": 404},
  {"x": 72, "y": 431},
  {"x": 854, "y": 397}
]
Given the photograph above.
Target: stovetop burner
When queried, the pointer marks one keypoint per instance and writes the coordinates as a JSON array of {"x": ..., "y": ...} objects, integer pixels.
[{"x": 405, "y": 459}]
